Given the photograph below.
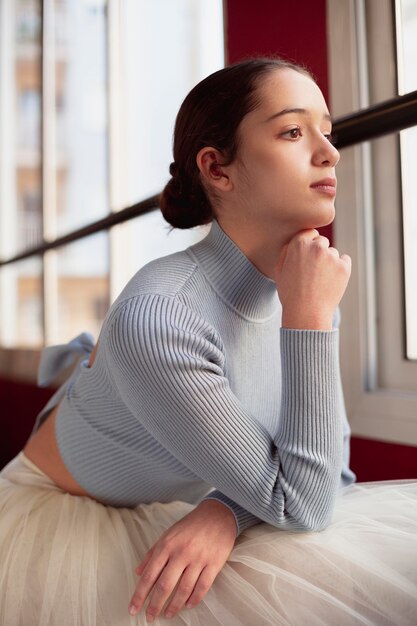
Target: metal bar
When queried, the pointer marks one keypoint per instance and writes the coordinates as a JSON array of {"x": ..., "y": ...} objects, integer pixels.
[
  {"x": 382, "y": 119},
  {"x": 91, "y": 229}
]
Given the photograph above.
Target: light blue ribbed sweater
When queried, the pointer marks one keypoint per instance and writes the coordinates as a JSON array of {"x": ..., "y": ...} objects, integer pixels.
[{"x": 195, "y": 386}]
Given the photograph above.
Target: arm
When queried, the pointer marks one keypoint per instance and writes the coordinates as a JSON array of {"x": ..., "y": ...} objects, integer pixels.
[
  {"x": 169, "y": 366},
  {"x": 243, "y": 518}
]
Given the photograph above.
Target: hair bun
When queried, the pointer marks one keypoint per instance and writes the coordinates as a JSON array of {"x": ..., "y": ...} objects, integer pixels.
[{"x": 183, "y": 208}]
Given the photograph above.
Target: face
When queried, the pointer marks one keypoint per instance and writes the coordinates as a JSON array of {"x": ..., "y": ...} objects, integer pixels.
[{"x": 284, "y": 171}]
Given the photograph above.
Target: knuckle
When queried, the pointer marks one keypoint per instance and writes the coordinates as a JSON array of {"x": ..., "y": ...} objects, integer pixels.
[
  {"x": 174, "y": 606},
  {"x": 147, "y": 577},
  {"x": 196, "y": 598},
  {"x": 322, "y": 243},
  {"x": 137, "y": 599},
  {"x": 299, "y": 240},
  {"x": 318, "y": 249},
  {"x": 162, "y": 586},
  {"x": 185, "y": 589}
]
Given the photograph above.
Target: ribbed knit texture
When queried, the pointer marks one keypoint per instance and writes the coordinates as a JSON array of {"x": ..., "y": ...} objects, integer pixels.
[{"x": 195, "y": 387}]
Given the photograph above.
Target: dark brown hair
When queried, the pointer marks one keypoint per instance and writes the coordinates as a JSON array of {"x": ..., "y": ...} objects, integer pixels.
[{"x": 210, "y": 116}]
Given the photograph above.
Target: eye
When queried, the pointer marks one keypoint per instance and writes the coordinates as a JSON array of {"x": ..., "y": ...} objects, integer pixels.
[
  {"x": 329, "y": 137},
  {"x": 293, "y": 133}
]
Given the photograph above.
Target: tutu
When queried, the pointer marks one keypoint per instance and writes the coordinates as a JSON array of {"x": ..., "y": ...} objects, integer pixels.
[{"x": 69, "y": 561}]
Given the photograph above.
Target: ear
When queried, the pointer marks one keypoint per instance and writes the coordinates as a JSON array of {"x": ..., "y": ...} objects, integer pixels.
[{"x": 209, "y": 162}]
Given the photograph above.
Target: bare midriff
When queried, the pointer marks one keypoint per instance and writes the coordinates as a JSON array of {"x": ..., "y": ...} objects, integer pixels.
[{"x": 42, "y": 449}]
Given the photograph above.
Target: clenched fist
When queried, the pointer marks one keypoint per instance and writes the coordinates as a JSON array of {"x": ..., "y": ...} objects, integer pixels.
[{"x": 311, "y": 278}]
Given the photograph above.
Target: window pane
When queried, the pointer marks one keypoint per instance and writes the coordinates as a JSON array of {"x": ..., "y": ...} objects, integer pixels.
[
  {"x": 152, "y": 237},
  {"x": 162, "y": 60},
  {"x": 83, "y": 288},
  {"x": 20, "y": 126},
  {"x": 21, "y": 304},
  {"x": 383, "y": 237},
  {"x": 408, "y": 160},
  {"x": 77, "y": 127},
  {"x": 406, "y": 11}
]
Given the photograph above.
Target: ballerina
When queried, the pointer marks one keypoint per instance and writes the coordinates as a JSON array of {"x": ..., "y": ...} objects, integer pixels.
[{"x": 204, "y": 440}]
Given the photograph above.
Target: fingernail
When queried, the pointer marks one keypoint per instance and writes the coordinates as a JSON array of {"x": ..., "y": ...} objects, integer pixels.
[
  {"x": 189, "y": 605},
  {"x": 169, "y": 614},
  {"x": 132, "y": 609},
  {"x": 150, "y": 618}
]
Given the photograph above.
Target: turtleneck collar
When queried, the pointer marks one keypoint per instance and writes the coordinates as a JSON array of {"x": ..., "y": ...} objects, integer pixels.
[{"x": 234, "y": 277}]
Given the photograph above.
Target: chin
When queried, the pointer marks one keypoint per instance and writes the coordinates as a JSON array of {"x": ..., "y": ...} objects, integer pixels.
[{"x": 325, "y": 218}]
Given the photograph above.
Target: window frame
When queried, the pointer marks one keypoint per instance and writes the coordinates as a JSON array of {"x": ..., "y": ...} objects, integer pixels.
[{"x": 376, "y": 406}]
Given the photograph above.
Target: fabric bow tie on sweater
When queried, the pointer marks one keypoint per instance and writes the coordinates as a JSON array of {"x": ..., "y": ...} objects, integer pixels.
[{"x": 54, "y": 360}]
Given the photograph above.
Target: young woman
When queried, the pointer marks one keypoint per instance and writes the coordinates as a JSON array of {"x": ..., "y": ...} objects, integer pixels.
[{"x": 206, "y": 437}]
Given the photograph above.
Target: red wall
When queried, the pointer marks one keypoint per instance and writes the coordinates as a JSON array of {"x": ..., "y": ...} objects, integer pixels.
[
  {"x": 298, "y": 33},
  {"x": 20, "y": 403},
  {"x": 263, "y": 27},
  {"x": 380, "y": 460}
]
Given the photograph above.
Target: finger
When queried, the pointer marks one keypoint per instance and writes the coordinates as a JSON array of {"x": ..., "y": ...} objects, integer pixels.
[
  {"x": 203, "y": 585},
  {"x": 310, "y": 233},
  {"x": 334, "y": 252},
  {"x": 347, "y": 261},
  {"x": 184, "y": 590},
  {"x": 147, "y": 580},
  {"x": 140, "y": 568},
  {"x": 163, "y": 588},
  {"x": 321, "y": 241}
]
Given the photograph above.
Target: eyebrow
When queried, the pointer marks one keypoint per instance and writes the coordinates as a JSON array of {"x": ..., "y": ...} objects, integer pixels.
[{"x": 326, "y": 116}]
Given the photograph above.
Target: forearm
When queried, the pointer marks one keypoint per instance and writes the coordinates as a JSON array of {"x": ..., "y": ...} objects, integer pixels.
[{"x": 310, "y": 440}]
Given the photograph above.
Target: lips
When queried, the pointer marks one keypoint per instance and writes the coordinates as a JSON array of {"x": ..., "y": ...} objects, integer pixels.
[{"x": 326, "y": 185}]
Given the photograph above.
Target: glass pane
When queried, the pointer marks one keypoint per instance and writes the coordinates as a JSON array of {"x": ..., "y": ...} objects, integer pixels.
[
  {"x": 158, "y": 77},
  {"x": 83, "y": 287},
  {"x": 21, "y": 304},
  {"x": 406, "y": 45},
  {"x": 152, "y": 237},
  {"x": 77, "y": 127},
  {"x": 20, "y": 126},
  {"x": 408, "y": 160}
]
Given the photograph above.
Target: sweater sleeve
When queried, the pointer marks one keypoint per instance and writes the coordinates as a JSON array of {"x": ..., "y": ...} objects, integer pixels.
[
  {"x": 169, "y": 367},
  {"x": 244, "y": 519}
]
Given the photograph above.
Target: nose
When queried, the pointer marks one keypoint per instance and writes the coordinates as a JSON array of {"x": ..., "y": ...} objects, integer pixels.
[{"x": 325, "y": 153}]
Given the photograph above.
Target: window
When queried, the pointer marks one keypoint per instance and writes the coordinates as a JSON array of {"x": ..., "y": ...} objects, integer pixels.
[
  {"x": 91, "y": 134},
  {"x": 406, "y": 22},
  {"x": 374, "y": 223}
]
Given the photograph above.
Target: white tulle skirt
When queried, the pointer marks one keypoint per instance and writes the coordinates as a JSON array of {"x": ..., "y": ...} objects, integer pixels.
[{"x": 69, "y": 561}]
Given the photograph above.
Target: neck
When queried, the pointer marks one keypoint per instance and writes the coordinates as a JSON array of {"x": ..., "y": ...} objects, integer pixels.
[{"x": 261, "y": 245}]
